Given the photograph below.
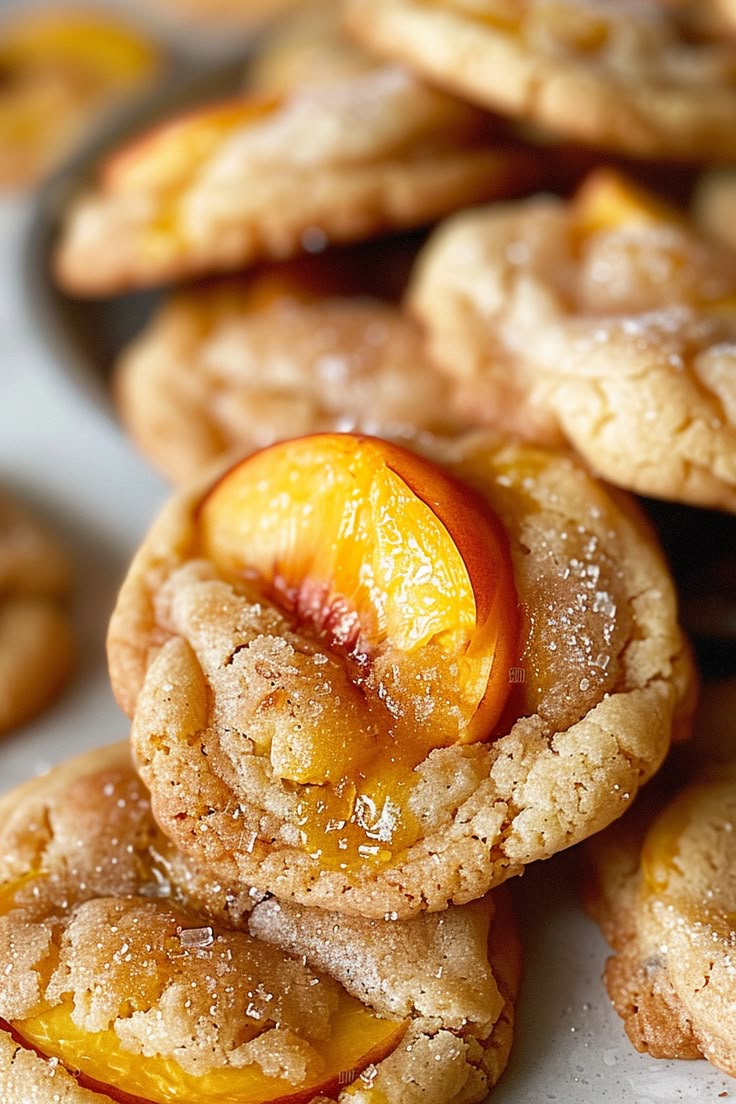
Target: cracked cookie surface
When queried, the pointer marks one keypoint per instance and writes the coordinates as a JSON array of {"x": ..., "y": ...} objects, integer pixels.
[
  {"x": 632, "y": 77},
  {"x": 206, "y": 666},
  {"x": 36, "y": 643},
  {"x": 661, "y": 885},
  {"x": 202, "y": 991},
  {"x": 606, "y": 322}
]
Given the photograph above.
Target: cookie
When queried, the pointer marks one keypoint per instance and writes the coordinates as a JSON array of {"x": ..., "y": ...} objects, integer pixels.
[
  {"x": 293, "y": 349},
  {"x": 661, "y": 885},
  {"x": 606, "y": 322},
  {"x": 365, "y": 680},
  {"x": 60, "y": 70},
  {"x": 36, "y": 644},
  {"x": 273, "y": 176},
  {"x": 625, "y": 77},
  {"x": 130, "y": 973}
]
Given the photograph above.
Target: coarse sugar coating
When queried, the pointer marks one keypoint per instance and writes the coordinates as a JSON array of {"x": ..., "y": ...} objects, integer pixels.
[
  {"x": 293, "y": 349},
  {"x": 661, "y": 884},
  {"x": 36, "y": 640},
  {"x": 223, "y": 683},
  {"x": 606, "y": 321},
  {"x": 124, "y": 960},
  {"x": 633, "y": 76},
  {"x": 277, "y": 175}
]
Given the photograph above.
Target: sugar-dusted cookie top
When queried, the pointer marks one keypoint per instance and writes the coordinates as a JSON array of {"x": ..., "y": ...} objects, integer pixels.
[
  {"x": 132, "y": 974},
  {"x": 372, "y": 683},
  {"x": 632, "y": 76},
  {"x": 36, "y": 645},
  {"x": 60, "y": 69},
  {"x": 663, "y": 888},
  {"x": 606, "y": 321},
  {"x": 273, "y": 175},
  {"x": 296, "y": 348}
]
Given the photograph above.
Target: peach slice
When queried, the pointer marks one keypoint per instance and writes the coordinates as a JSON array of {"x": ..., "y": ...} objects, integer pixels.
[
  {"x": 608, "y": 200},
  {"x": 164, "y": 159},
  {"x": 381, "y": 552}
]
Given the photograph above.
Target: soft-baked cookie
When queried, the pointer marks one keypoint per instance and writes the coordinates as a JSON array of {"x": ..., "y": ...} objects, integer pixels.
[
  {"x": 36, "y": 645},
  {"x": 605, "y": 321},
  {"x": 623, "y": 76},
  {"x": 293, "y": 349},
  {"x": 661, "y": 884},
  {"x": 126, "y": 962},
  {"x": 272, "y": 176},
  {"x": 59, "y": 70},
  {"x": 370, "y": 683}
]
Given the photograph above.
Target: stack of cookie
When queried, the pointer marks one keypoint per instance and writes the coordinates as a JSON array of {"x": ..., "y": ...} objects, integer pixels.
[{"x": 376, "y": 670}]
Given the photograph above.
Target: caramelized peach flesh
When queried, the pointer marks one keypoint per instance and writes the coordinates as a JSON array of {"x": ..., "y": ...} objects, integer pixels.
[
  {"x": 404, "y": 575},
  {"x": 357, "y": 1039}
]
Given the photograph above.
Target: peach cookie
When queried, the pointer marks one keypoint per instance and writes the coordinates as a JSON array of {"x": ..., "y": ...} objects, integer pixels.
[
  {"x": 624, "y": 76},
  {"x": 59, "y": 69},
  {"x": 292, "y": 350},
  {"x": 130, "y": 974},
  {"x": 270, "y": 176},
  {"x": 317, "y": 649},
  {"x": 606, "y": 322},
  {"x": 36, "y": 646},
  {"x": 663, "y": 888}
]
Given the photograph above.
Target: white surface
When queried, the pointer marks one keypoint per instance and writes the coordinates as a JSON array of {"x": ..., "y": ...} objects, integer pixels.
[{"x": 62, "y": 454}]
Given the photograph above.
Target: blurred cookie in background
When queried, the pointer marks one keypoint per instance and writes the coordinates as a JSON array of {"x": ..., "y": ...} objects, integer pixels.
[
  {"x": 36, "y": 644},
  {"x": 297, "y": 348},
  {"x": 60, "y": 69},
  {"x": 637, "y": 78},
  {"x": 272, "y": 176}
]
